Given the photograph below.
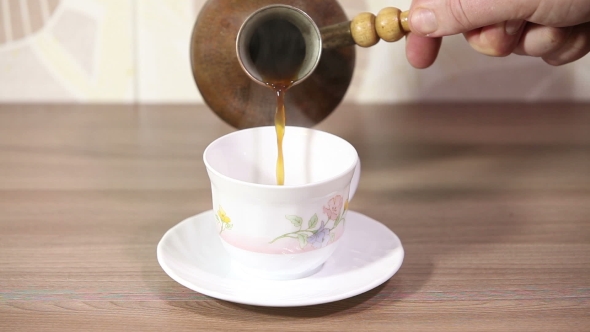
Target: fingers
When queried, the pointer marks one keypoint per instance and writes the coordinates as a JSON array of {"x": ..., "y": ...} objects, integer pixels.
[
  {"x": 422, "y": 51},
  {"x": 437, "y": 18},
  {"x": 539, "y": 40},
  {"x": 543, "y": 41},
  {"x": 557, "y": 46},
  {"x": 449, "y": 17},
  {"x": 499, "y": 39},
  {"x": 575, "y": 47},
  {"x": 500, "y": 27}
]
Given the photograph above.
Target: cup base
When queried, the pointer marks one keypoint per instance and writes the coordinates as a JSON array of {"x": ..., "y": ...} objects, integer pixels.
[
  {"x": 276, "y": 276},
  {"x": 279, "y": 266}
]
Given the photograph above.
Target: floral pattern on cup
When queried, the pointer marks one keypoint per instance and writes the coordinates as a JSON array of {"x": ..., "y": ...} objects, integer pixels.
[
  {"x": 223, "y": 219},
  {"x": 314, "y": 235}
]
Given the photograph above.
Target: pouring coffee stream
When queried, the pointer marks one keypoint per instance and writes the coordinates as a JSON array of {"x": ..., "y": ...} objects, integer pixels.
[
  {"x": 280, "y": 46},
  {"x": 277, "y": 50}
]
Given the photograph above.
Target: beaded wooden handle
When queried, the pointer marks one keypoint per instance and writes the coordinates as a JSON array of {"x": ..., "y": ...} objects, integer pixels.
[{"x": 390, "y": 24}]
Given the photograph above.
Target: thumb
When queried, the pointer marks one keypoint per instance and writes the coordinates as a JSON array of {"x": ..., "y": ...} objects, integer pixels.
[{"x": 438, "y": 18}]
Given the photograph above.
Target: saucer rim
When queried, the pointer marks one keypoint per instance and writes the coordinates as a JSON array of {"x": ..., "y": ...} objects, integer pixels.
[{"x": 279, "y": 303}]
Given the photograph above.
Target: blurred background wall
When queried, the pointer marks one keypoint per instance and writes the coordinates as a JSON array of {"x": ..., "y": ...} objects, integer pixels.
[{"x": 136, "y": 51}]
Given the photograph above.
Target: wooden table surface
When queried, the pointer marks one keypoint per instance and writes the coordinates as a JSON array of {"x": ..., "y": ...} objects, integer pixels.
[{"x": 491, "y": 202}]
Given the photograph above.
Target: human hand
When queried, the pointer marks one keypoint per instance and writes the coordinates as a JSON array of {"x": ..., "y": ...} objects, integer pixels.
[{"x": 558, "y": 31}]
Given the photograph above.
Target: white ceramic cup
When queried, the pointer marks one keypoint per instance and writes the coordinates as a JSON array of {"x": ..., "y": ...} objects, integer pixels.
[{"x": 289, "y": 231}]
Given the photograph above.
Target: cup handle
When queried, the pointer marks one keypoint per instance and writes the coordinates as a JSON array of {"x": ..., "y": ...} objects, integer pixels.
[{"x": 356, "y": 176}]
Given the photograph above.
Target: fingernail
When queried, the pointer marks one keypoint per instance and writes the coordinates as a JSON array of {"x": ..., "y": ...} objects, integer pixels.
[
  {"x": 423, "y": 21},
  {"x": 513, "y": 26}
]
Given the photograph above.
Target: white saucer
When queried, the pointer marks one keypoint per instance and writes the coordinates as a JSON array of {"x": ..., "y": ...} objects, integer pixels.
[{"x": 192, "y": 254}]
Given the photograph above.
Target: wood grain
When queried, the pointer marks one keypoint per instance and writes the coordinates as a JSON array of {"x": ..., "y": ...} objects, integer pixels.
[{"x": 491, "y": 202}]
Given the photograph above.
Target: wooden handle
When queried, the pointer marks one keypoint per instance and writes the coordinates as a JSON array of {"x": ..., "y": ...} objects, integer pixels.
[{"x": 390, "y": 24}]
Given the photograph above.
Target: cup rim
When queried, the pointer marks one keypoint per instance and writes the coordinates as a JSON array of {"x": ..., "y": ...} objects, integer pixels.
[{"x": 210, "y": 168}]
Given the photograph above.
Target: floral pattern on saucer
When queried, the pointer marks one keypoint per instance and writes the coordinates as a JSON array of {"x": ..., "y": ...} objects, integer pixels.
[{"x": 314, "y": 235}]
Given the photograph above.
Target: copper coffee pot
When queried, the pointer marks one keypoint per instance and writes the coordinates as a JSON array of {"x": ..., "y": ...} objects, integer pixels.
[{"x": 225, "y": 76}]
